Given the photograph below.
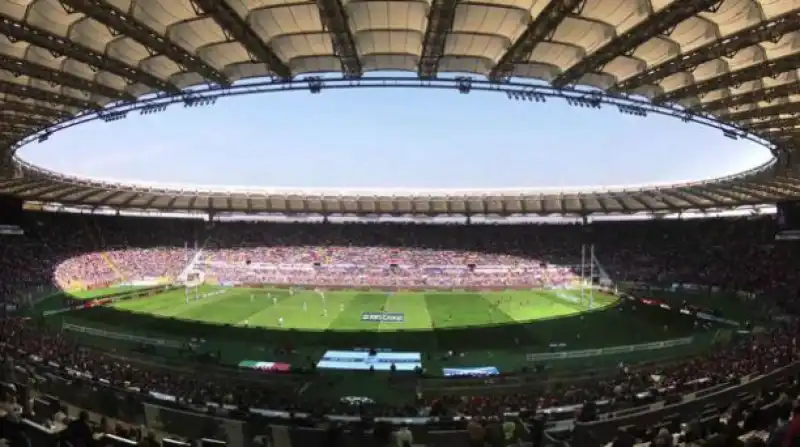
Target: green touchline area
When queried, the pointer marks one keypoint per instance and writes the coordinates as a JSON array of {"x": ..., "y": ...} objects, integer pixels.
[{"x": 492, "y": 328}]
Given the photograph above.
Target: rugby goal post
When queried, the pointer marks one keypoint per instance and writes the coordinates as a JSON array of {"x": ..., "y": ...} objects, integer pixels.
[{"x": 192, "y": 283}]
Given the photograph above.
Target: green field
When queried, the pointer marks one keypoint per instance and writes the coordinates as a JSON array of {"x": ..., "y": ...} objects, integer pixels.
[
  {"x": 496, "y": 328},
  {"x": 343, "y": 310},
  {"x": 484, "y": 329}
]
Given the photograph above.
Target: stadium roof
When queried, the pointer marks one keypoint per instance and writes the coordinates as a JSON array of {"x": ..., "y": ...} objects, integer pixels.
[{"x": 734, "y": 59}]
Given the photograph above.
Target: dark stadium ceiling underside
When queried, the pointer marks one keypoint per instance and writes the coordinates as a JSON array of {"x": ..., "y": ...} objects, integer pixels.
[{"x": 734, "y": 59}]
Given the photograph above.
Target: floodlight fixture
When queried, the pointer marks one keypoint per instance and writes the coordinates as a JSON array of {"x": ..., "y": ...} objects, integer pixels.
[
  {"x": 198, "y": 101},
  {"x": 730, "y": 134},
  {"x": 627, "y": 109},
  {"x": 464, "y": 85},
  {"x": 315, "y": 84},
  {"x": 113, "y": 116},
  {"x": 149, "y": 110}
]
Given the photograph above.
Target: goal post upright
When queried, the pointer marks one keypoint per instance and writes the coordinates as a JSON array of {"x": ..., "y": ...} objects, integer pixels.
[
  {"x": 591, "y": 276},
  {"x": 192, "y": 284},
  {"x": 583, "y": 263}
]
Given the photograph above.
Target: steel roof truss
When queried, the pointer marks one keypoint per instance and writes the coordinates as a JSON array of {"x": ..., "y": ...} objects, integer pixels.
[
  {"x": 85, "y": 194},
  {"x": 335, "y": 22},
  {"x": 45, "y": 96},
  {"x": 707, "y": 193},
  {"x": 780, "y": 185},
  {"x": 633, "y": 199},
  {"x": 133, "y": 196},
  {"x": 12, "y": 127},
  {"x": 786, "y": 133},
  {"x": 661, "y": 22},
  {"x": 32, "y": 109},
  {"x": 732, "y": 79},
  {"x": 691, "y": 196},
  {"x": 540, "y": 29},
  {"x": 440, "y": 23},
  {"x": 106, "y": 200},
  {"x": 767, "y": 31},
  {"x": 763, "y": 188},
  {"x": 19, "y": 67},
  {"x": 766, "y": 197},
  {"x": 25, "y": 186},
  {"x": 602, "y": 203},
  {"x": 730, "y": 191},
  {"x": 26, "y": 120},
  {"x": 767, "y": 94},
  {"x": 236, "y": 27},
  {"x": 669, "y": 199},
  {"x": 615, "y": 202},
  {"x": 123, "y": 24},
  {"x": 61, "y": 47},
  {"x": 763, "y": 112},
  {"x": 622, "y": 204},
  {"x": 781, "y": 123},
  {"x": 64, "y": 190},
  {"x": 581, "y": 205},
  {"x": 150, "y": 201},
  {"x": 656, "y": 202}
]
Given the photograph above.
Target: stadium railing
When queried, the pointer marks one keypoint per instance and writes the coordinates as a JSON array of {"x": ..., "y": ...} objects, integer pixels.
[
  {"x": 160, "y": 411},
  {"x": 240, "y": 428},
  {"x": 584, "y": 353}
]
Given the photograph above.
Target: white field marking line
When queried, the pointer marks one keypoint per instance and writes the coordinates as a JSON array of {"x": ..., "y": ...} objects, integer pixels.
[
  {"x": 194, "y": 304},
  {"x": 333, "y": 314},
  {"x": 558, "y": 301},
  {"x": 386, "y": 300},
  {"x": 270, "y": 307},
  {"x": 158, "y": 303},
  {"x": 425, "y": 307},
  {"x": 385, "y": 306}
]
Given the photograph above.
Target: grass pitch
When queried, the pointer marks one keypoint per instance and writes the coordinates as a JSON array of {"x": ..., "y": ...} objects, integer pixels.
[
  {"x": 486, "y": 329},
  {"x": 342, "y": 310}
]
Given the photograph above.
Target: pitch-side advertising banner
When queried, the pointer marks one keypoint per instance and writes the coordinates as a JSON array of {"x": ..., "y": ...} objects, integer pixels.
[
  {"x": 475, "y": 371},
  {"x": 362, "y": 360},
  {"x": 265, "y": 366},
  {"x": 384, "y": 317}
]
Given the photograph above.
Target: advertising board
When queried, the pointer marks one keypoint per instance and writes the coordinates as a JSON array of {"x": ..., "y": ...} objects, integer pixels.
[{"x": 364, "y": 360}]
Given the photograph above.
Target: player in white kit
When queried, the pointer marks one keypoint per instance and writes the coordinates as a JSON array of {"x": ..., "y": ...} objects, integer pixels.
[
  {"x": 280, "y": 321},
  {"x": 305, "y": 306}
]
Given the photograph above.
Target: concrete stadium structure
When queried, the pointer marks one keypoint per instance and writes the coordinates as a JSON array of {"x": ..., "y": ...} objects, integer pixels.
[{"x": 730, "y": 64}]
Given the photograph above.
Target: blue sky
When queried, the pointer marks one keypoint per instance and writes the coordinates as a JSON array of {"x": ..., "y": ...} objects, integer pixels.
[{"x": 394, "y": 138}]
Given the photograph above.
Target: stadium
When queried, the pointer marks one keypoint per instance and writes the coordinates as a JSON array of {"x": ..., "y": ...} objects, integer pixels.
[{"x": 174, "y": 316}]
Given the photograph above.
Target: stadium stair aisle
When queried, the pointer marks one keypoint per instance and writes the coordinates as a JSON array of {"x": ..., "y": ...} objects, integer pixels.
[{"x": 113, "y": 267}]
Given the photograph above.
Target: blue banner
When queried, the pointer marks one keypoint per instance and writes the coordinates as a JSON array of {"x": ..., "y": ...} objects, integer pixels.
[{"x": 361, "y": 360}]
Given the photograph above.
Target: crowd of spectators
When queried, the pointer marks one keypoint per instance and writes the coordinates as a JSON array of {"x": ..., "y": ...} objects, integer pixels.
[
  {"x": 381, "y": 267},
  {"x": 736, "y": 254}
]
